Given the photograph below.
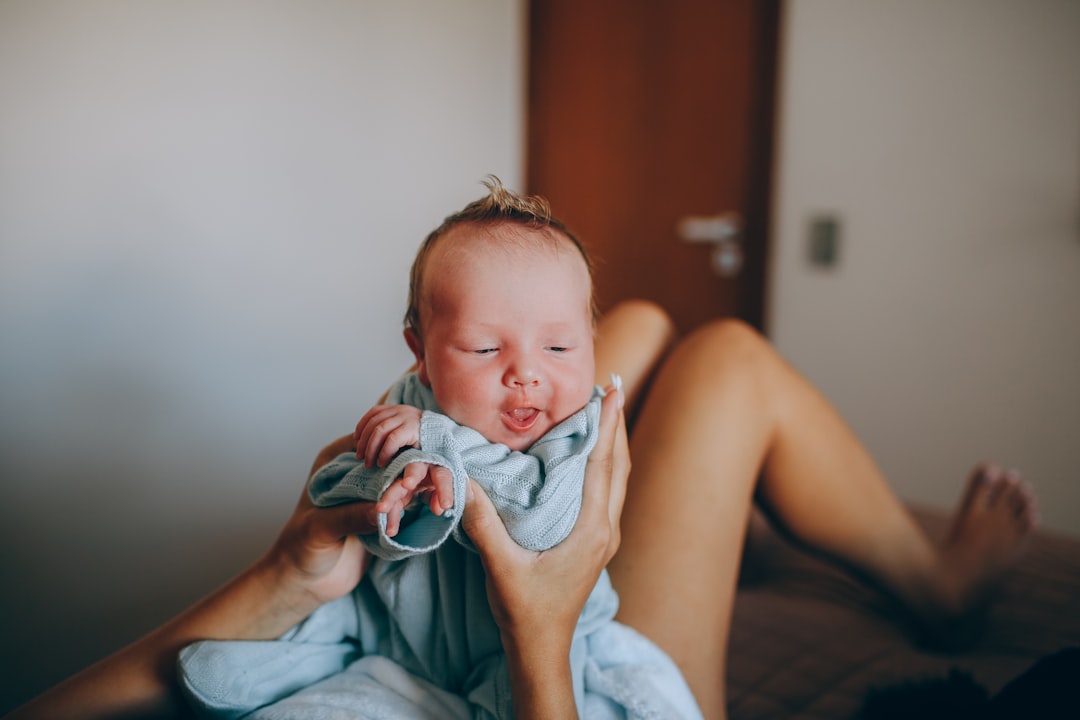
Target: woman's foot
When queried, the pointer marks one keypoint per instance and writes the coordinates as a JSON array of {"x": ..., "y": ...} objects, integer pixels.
[{"x": 989, "y": 533}]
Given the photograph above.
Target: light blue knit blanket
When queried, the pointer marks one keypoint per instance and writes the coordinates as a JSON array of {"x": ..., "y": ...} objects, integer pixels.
[{"x": 416, "y": 638}]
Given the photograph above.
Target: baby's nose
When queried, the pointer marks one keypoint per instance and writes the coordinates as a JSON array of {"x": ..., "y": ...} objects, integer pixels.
[{"x": 522, "y": 375}]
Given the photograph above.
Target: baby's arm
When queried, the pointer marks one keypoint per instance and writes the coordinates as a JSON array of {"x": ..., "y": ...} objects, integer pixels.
[{"x": 379, "y": 436}]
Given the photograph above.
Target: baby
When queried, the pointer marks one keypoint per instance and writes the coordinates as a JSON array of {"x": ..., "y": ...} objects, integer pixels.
[{"x": 500, "y": 322}]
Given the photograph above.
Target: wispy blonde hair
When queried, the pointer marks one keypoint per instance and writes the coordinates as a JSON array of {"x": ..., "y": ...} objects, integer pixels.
[{"x": 500, "y": 205}]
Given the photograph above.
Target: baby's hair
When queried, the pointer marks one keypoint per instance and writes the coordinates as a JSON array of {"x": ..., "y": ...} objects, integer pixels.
[{"x": 499, "y": 206}]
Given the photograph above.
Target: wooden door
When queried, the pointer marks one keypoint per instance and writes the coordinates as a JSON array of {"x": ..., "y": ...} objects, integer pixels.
[{"x": 643, "y": 112}]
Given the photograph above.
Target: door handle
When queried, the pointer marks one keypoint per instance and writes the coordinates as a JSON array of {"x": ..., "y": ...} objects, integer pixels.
[{"x": 723, "y": 232}]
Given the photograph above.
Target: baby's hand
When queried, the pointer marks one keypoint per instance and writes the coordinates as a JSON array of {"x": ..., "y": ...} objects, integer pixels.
[
  {"x": 384, "y": 430},
  {"x": 419, "y": 481}
]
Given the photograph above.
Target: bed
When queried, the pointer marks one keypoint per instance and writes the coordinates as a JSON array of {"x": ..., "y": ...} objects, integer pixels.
[{"x": 809, "y": 642}]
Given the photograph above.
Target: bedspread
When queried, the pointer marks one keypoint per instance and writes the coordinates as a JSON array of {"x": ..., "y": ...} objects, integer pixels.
[{"x": 808, "y": 641}]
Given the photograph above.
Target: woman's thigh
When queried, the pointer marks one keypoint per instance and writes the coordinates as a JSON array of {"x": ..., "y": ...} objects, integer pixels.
[{"x": 697, "y": 449}]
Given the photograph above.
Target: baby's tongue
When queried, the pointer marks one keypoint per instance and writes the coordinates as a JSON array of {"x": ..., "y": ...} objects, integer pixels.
[{"x": 522, "y": 414}]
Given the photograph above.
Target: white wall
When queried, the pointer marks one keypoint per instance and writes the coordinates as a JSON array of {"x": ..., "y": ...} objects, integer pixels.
[
  {"x": 207, "y": 214},
  {"x": 946, "y": 136}
]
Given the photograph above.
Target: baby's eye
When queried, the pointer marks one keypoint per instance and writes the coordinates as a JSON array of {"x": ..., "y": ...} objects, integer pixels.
[
  {"x": 484, "y": 351},
  {"x": 558, "y": 349}
]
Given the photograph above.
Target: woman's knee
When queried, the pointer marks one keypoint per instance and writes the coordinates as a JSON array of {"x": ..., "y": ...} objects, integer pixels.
[
  {"x": 726, "y": 341},
  {"x": 647, "y": 318},
  {"x": 632, "y": 338}
]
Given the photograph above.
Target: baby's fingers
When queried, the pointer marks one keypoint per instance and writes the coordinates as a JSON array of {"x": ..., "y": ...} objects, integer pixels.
[
  {"x": 396, "y": 496},
  {"x": 373, "y": 443},
  {"x": 365, "y": 429},
  {"x": 401, "y": 491},
  {"x": 393, "y": 519},
  {"x": 392, "y": 504},
  {"x": 413, "y": 476},
  {"x": 442, "y": 480}
]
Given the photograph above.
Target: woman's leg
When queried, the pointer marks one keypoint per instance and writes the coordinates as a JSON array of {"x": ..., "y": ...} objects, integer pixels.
[
  {"x": 631, "y": 340},
  {"x": 697, "y": 449},
  {"x": 725, "y": 410}
]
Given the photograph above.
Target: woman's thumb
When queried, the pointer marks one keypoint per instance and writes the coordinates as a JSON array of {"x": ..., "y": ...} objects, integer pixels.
[{"x": 481, "y": 522}]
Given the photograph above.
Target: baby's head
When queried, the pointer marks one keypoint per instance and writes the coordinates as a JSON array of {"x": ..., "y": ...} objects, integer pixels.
[{"x": 500, "y": 318}]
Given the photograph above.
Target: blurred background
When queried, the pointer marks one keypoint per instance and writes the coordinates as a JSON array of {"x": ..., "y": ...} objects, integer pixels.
[{"x": 208, "y": 211}]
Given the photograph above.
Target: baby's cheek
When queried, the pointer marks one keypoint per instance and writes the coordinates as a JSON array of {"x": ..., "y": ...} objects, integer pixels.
[{"x": 581, "y": 395}]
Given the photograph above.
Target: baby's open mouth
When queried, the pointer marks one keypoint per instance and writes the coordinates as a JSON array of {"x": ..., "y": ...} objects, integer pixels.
[{"x": 521, "y": 418}]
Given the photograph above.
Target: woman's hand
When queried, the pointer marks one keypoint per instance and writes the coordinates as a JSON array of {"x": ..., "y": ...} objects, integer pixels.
[
  {"x": 536, "y": 598},
  {"x": 318, "y": 557}
]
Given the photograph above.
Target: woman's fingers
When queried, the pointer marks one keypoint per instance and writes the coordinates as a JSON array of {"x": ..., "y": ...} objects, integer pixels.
[
  {"x": 620, "y": 471},
  {"x": 331, "y": 524},
  {"x": 620, "y": 453},
  {"x": 605, "y": 475},
  {"x": 528, "y": 589},
  {"x": 481, "y": 522},
  {"x": 344, "y": 523},
  {"x": 322, "y": 547},
  {"x": 598, "y": 469}
]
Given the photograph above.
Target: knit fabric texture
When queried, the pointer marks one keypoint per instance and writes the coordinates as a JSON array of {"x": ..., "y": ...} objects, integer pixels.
[
  {"x": 537, "y": 493},
  {"x": 423, "y": 602}
]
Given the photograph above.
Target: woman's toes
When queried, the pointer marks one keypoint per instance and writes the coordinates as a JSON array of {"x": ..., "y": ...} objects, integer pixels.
[
  {"x": 1027, "y": 506},
  {"x": 981, "y": 481}
]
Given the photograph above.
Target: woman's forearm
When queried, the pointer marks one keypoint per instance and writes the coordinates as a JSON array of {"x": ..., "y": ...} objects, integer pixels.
[
  {"x": 316, "y": 558},
  {"x": 140, "y": 680}
]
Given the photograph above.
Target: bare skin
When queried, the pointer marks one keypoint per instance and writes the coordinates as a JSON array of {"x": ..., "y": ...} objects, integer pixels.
[
  {"x": 724, "y": 421},
  {"x": 988, "y": 533},
  {"x": 317, "y": 558},
  {"x": 632, "y": 340},
  {"x": 529, "y": 590},
  {"x": 727, "y": 421}
]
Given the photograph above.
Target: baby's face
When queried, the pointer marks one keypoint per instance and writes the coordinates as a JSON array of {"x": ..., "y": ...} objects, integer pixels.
[{"x": 507, "y": 336}]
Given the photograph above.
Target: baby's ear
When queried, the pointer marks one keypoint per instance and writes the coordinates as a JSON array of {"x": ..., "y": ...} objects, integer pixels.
[{"x": 412, "y": 339}]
